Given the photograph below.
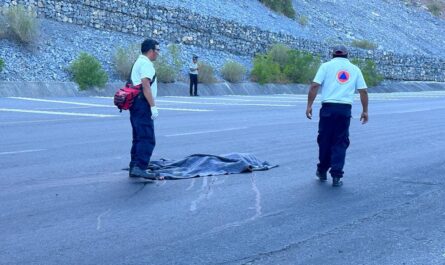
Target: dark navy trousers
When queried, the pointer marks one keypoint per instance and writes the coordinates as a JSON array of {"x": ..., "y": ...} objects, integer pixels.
[
  {"x": 143, "y": 133},
  {"x": 193, "y": 85},
  {"x": 333, "y": 137}
]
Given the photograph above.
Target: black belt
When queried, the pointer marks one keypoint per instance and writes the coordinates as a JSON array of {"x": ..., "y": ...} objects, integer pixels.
[{"x": 330, "y": 104}]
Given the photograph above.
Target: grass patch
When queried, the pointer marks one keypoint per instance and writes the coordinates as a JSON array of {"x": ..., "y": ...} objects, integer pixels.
[
  {"x": 123, "y": 60},
  {"x": 265, "y": 70},
  {"x": 302, "y": 67},
  {"x": 369, "y": 70},
  {"x": 206, "y": 73},
  {"x": 233, "y": 71},
  {"x": 87, "y": 72},
  {"x": 3, "y": 24},
  {"x": 284, "y": 65},
  {"x": 284, "y": 7},
  {"x": 22, "y": 23},
  {"x": 168, "y": 65},
  {"x": 364, "y": 44},
  {"x": 303, "y": 20},
  {"x": 2, "y": 64},
  {"x": 435, "y": 8}
]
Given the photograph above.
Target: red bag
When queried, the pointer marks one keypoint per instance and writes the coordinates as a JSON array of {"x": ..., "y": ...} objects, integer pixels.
[{"x": 124, "y": 97}]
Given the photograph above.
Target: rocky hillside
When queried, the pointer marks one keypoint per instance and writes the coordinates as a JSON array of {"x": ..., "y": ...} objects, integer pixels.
[
  {"x": 436, "y": 7},
  {"x": 392, "y": 25}
]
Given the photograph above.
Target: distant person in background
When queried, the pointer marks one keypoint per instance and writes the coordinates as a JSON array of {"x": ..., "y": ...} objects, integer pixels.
[
  {"x": 338, "y": 79},
  {"x": 144, "y": 109},
  {"x": 193, "y": 72}
]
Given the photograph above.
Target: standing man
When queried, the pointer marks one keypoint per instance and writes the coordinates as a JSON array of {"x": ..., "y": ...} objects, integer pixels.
[
  {"x": 193, "y": 72},
  {"x": 144, "y": 109},
  {"x": 339, "y": 79}
]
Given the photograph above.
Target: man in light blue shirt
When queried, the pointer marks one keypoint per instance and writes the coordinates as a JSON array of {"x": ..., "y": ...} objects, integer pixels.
[
  {"x": 338, "y": 79},
  {"x": 193, "y": 73},
  {"x": 144, "y": 110}
]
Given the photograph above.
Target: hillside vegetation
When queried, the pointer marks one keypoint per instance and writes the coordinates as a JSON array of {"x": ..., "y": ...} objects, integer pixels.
[{"x": 33, "y": 48}]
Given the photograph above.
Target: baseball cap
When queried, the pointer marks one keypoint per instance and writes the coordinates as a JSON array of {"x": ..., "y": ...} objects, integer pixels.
[{"x": 339, "y": 50}]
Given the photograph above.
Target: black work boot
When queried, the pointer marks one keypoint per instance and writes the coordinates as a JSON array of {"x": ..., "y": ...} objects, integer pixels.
[
  {"x": 137, "y": 172},
  {"x": 322, "y": 176},
  {"x": 336, "y": 182}
]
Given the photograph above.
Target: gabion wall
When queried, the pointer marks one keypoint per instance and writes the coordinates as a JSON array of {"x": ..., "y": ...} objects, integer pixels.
[{"x": 142, "y": 17}]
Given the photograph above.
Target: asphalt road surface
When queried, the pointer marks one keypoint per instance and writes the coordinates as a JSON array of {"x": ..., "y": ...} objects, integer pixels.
[{"x": 64, "y": 198}]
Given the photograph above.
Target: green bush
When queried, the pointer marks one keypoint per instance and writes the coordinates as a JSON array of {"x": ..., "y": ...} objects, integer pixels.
[
  {"x": 369, "y": 70},
  {"x": 3, "y": 24},
  {"x": 87, "y": 72},
  {"x": 206, "y": 74},
  {"x": 165, "y": 73},
  {"x": 233, "y": 71},
  {"x": 435, "y": 8},
  {"x": 168, "y": 65},
  {"x": 282, "y": 6},
  {"x": 23, "y": 23},
  {"x": 303, "y": 20},
  {"x": 279, "y": 54},
  {"x": 283, "y": 65},
  {"x": 124, "y": 58},
  {"x": 364, "y": 44},
  {"x": 2, "y": 64},
  {"x": 302, "y": 67},
  {"x": 265, "y": 70}
]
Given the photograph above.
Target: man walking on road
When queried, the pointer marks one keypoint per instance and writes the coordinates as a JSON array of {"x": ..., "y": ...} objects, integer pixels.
[
  {"x": 193, "y": 73},
  {"x": 144, "y": 109},
  {"x": 338, "y": 79}
]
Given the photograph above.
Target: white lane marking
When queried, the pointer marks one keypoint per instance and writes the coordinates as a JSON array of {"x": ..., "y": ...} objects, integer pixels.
[
  {"x": 60, "y": 113},
  {"x": 63, "y": 102},
  {"x": 216, "y": 103},
  {"x": 225, "y": 104},
  {"x": 419, "y": 109},
  {"x": 192, "y": 110},
  {"x": 175, "y": 109},
  {"x": 22, "y": 151},
  {"x": 389, "y": 96},
  {"x": 269, "y": 100},
  {"x": 204, "y": 132},
  {"x": 276, "y": 96},
  {"x": 41, "y": 121}
]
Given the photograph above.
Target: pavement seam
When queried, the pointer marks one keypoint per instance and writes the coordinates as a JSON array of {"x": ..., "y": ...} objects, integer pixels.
[{"x": 253, "y": 259}]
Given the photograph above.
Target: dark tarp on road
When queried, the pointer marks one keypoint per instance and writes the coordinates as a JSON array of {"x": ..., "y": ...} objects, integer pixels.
[{"x": 200, "y": 165}]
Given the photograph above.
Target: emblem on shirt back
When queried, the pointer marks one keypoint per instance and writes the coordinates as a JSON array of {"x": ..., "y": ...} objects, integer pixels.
[{"x": 343, "y": 76}]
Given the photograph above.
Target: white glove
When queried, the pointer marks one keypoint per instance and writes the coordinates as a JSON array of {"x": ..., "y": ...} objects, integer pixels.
[{"x": 154, "y": 112}]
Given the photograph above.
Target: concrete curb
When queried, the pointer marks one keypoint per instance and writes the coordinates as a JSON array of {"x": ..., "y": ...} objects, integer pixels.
[{"x": 70, "y": 89}]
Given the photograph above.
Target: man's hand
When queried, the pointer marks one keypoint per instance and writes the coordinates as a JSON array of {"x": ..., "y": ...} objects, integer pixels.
[
  {"x": 364, "y": 117},
  {"x": 313, "y": 89},
  {"x": 154, "y": 112},
  {"x": 309, "y": 113}
]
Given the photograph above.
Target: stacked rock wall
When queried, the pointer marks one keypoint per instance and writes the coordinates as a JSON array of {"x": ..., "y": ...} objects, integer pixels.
[{"x": 142, "y": 17}]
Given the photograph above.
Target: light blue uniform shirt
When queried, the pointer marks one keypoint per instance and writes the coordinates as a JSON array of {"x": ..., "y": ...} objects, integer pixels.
[
  {"x": 144, "y": 68},
  {"x": 339, "y": 79}
]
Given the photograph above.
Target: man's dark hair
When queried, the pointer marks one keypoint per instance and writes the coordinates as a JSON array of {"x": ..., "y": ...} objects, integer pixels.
[
  {"x": 148, "y": 44},
  {"x": 342, "y": 56}
]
